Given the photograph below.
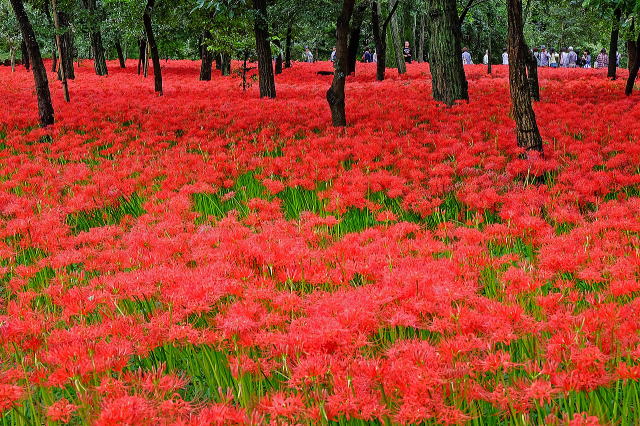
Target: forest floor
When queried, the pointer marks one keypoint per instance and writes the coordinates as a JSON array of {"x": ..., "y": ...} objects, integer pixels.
[{"x": 208, "y": 257}]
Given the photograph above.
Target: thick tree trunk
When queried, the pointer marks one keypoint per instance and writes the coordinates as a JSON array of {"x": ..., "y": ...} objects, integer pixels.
[
  {"x": 218, "y": 60},
  {"x": 155, "y": 57},
  {"x": 99, "y": 58},
  {"x": 265, "y": 64},
  {"x": 613, "y": 46},
  {"x": 420, "y": 46},
  {"x": 123, "y": 63},
  {"x": 206, "y": 58},
  {"x": 287, "y": 47},
  {"x": 279, "y": 59},
  {"x": 397, "y": 41},
  {"x": 633, "y": 73},
  {"x": 25, "y": 55},
  {"x": 532, "y": 76},
  {"x": 335, "y": 94},
  {"x": 449, "y": 82},
  {"x": 61, "y": 71},
  {"x": 631, "y": 53},
  {"x": 66, "y": 47},
  {"x": 527, "y": 132},
  {"x": 45, "y": 108},
  {"x": 353, "y": 45}
]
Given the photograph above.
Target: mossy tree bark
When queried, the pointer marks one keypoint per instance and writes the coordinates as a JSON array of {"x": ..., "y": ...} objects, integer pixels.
[{"x": 335, "y": 94}]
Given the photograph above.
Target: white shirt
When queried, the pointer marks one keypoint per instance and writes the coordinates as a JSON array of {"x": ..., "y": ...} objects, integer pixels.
[{"x": 505, "y": 58}]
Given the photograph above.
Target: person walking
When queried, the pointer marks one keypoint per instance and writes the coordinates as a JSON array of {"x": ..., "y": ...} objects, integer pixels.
[
  {"x": 544, "y": 56},
  {"x": 572, "y": 58},
  {"x": 505, "y": 57},
  {"x": 466, "y": 57},
  {"x": 602, "y": 61}
]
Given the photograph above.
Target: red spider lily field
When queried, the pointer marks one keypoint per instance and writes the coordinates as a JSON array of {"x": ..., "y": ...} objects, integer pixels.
[{"x": 208, "y": 257}]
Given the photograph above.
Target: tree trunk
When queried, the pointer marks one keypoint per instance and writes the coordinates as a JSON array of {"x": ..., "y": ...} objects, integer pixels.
[
  {"x": 61, "y": 71},
  {"x": 25, "y": 55},
  {"x": 279, "y": 59},
  {"x": 148, "y": 29},
  {"x": 335, "y": 94},
  {"x": 45, "y": 108},
  {"x": 123, "y": 63},
  {"x": 95, "y": 38},
  {"x": 532, "y": 75},
  {"x": 633, "y": 73},
  {"x": 353, "y": 45},
  {"x": 613, "y": 46},
  {"x": 12, "y": 55},
  {"x": 54, "y": 56},
  {"x": 142, "y": 52},
  {"x": 449, "y": 82},
  {"x": 380, "y": 36},
  {"x": 206, "y": 58},
  {"x": 527, "y": 132},
  {"x": 287, "y": 48},
  {"x": 420, "y": 46},
  {"x": 397, "y": 42},
  {"x": 225, "y": 63},
  {"x": 265, "y": 64},
  {"x": 65, "y": 51}
]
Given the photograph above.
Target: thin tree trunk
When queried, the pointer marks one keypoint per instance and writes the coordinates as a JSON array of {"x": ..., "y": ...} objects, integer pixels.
[
  {"x": 206, "y": 58},
  {"x": 279, "y": 59},
  {"x": 380, "y": 36},
  {"x": 61, "y": 71},
  {"x": 287, "y": 47},
  {"x": 121, "y": 60},
  {"x": 265, "y": 64},
  {"x": 148, "y": 29},
  {"x": 633, "y": 73},
  {"x": 397, "y": 42},
  {"x": 420, "y": 46},
  {"x": 335, "y": 94},
  {"x": 25, "y": 55},
  {"x": 218, "y": 60},
  {"x": 142, "y": 52},
  {"x": 45, "y": 108},
  {"x": 449, "y": 82},
  {"x": 226, "y": 64},
  {"x": 145, "y": 64},
  {"x": 12, "y": 54},
  {"x": 54, "y": 56},
  {"x": 353, "y": 44},
  {"x": 527, "y": 132},
  {"x": 613, "y": 46}
]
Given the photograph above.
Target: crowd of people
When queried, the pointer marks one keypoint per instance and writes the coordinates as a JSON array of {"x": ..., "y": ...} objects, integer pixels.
[{"x": 566, "y": 58}]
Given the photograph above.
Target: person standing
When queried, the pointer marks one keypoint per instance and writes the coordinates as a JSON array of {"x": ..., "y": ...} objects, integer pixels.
[
  {"x": 544, "y": 56},
  {"x": 308, "y": 56},
  {"x": 367, "y": 57},
  {"x": 406, "y": 52},
  {"x": 618, "y": 56},
  {"x": 572, "y": 58},
  {"x": 554, "y": 58},
  {"x": 505, "y": 57},
  {"x": 485, "y": 59},
  {"x": 602, "y": 61},
  {"x": 375, "y": 56},
  {"x": 564, "y": 57},
  {"x": 466, "y": 57},
  {"x": 586, "y": 59},
  {"x": 536, "y": 54},
  {"x": 333, "y": 54}
]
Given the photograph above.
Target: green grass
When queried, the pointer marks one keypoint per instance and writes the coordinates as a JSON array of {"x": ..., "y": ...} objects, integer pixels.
[{"x": 111, "y": 215}]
